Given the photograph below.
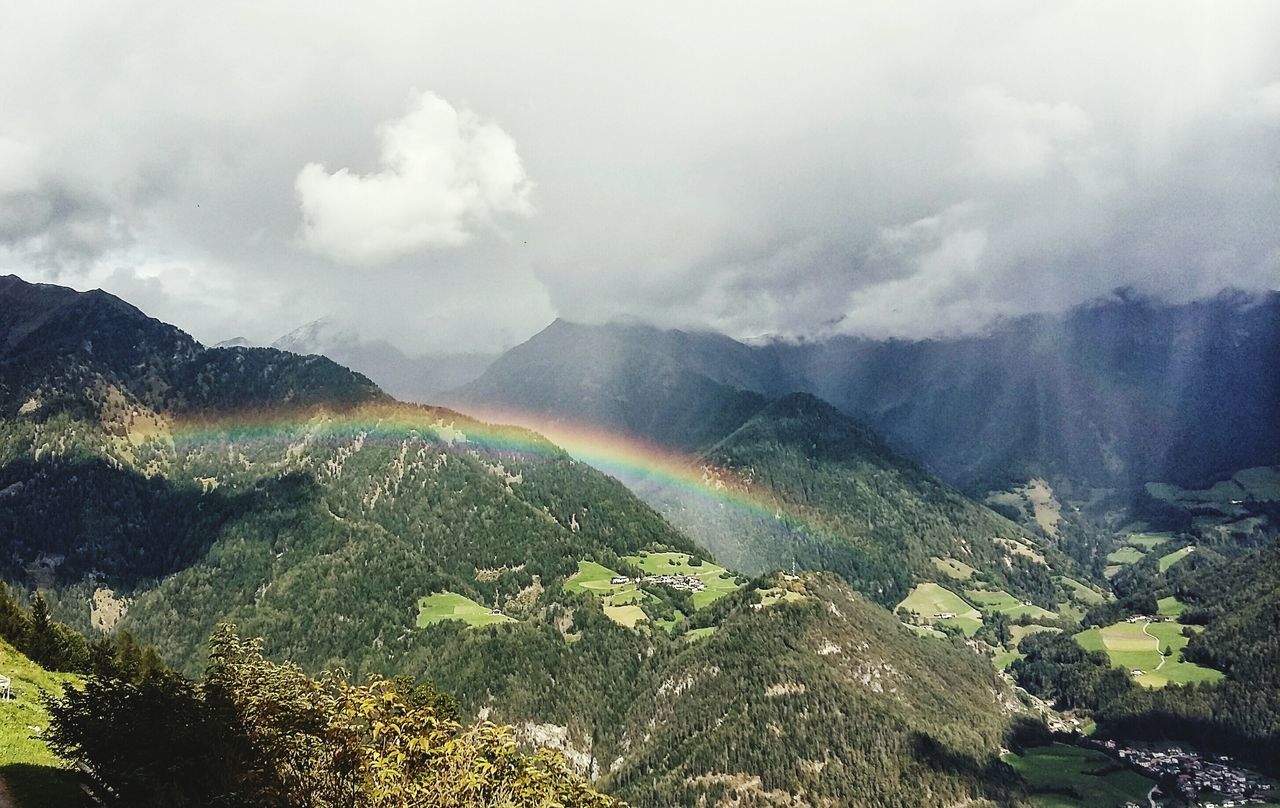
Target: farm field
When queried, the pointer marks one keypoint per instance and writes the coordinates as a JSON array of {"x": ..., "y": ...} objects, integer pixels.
[
  {"x": 1168, "y": 560},
  {"x": 628, "y": 615},
  {"x": 1170, "y": 607},
  {"x": 718, "y": 580},
  {"x": 621, "y": 601},
  {"x": 1136, "y": 646},
  {"x": 928, "y": 599},
  {"x": 1063, "y": 776},
  {"x": 1125, "y": 555},
  {"x": 695, "y": 634},
  {"x": 595, "y": 579},
  {"x": 452, "y": 606},
  {"x": 998, "y": 600}
]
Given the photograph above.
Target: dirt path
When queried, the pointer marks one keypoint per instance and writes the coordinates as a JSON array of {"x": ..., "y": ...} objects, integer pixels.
[{"x": 1157, "y": 639}]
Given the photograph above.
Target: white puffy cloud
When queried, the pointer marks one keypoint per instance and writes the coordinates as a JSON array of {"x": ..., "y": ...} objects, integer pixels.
[
  {"x": 444, "y": 173},
  {"x": 725, "y": 164}
]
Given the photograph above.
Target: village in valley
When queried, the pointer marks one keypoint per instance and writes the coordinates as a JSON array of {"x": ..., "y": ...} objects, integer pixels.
[{"x": 1212, "y": 781}]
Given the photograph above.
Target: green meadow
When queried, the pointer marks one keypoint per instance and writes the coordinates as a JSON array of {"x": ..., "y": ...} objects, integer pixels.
[
  {"x": 1168, "y": 560},
  {"x": 717, "y": 580},
  {"x": 998, "y": 600},
  {"x": 1137, "y": 646},
  {"x": 773, "y": 595},
  {"x": 1063, "y": 776},
  {"x": 928, "y": 599},
  {"x": 1082, "y": 592},
  {"x": 452, "y": 606},
  {"x": 1125, "y": 555},
  {"x": 34, "y": 775}
]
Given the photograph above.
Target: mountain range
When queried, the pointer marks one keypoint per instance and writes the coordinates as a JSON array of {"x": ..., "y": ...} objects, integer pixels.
[
  {"x": 151, "y": 484},
  {"x": 1113, "y": 394}
]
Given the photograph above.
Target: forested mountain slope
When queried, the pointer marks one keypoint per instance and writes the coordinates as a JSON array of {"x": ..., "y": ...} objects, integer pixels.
[
  {"x": 152, "y": 484},
  {"x": 833, "y": 495},
  {"x": 1113, "y": 393}
]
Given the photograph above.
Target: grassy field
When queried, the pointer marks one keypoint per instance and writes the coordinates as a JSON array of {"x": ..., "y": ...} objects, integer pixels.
[
  {"x": 452, "y": 606},
  {"x": 1146, "y": 541},
  {"x": 1082, "y": 592},
  {"x": 952, "y": 568},
  {"x": 627, "y": 616},
  {"x": 1171, "y": 607},
  {"x": 998, "y": 600},
  {"x": 1137, "y": 646},
  {"x": 717, "y": 580},
  {"x": 929, "y": 599},
  {"x": 1125, "y": 555},
  {"x": 1063, "y": 776},
  {"x": 695, "y": 634},
  {"x": 34, "y": 775},
  {"x": 621, "y": 601},
  {"x": 1169, "y": 559},
  {"x": 595, "y": 579}
]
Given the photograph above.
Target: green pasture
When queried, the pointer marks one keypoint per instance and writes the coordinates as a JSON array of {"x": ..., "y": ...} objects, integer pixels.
[
  {"x": 717, "y": 580},
  {"x": 1125, "y": 555},
  {"x": 1062, "y": 776},
  {"x": 34, "y": 775},
  {"x": 1168, "y": 560},
  {"x": 998, "y": 600},
  {"x": 452, "y": 606},
  {"x": 928, "y": 599},
  {"x": 1082, "y": 592},
  {"x": 1137, "y": 646}
]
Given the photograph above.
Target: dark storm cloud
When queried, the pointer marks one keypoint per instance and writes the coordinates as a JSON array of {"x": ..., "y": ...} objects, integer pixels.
[{"x": 453, "y": 178}]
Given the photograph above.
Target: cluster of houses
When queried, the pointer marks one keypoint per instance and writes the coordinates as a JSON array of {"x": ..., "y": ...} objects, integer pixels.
[
  {"x": 1195, "y": 776},
  {"x": 686, "y": 583}
]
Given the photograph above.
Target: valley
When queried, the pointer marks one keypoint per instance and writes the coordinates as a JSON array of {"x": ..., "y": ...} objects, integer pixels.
[{"x": 609, "y": 598}]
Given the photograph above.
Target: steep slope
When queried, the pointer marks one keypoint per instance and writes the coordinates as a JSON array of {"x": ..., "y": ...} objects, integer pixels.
[
  {"x": 30, "y": 774},
  {"x": 1117, "y": 392},
  {"x": 835, "y": 496},
  {"x": 182, "y": 486},
  {"x": 196, "y": 484},
  {"x": 812, "y": 697},
  {"x": 1114, "y": 393},
  {"x": 678, "y": 389}
]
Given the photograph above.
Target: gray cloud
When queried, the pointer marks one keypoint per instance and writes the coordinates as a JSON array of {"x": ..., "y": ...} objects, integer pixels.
[{"x": 832, "y": 167}]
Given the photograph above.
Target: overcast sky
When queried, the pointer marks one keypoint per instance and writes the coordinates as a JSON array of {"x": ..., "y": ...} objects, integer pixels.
[{"x": 454, "y": 176}]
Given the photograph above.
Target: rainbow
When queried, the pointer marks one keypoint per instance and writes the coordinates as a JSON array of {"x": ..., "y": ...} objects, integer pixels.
[{"x": 623, "y": 457}]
